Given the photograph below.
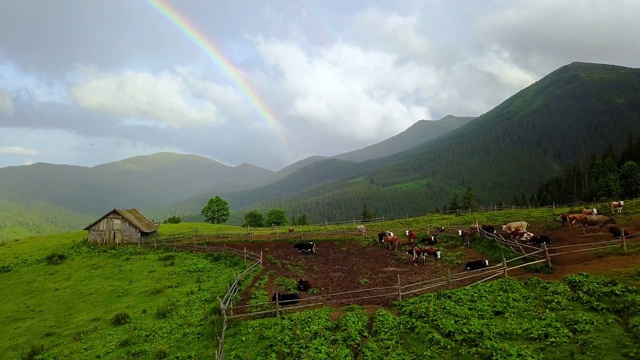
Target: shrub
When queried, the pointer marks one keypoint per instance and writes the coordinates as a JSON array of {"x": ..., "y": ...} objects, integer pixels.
[
  {"x": 34, "y": 352},
  {"x": 56, "y": 259},
  {"x": 121, "y": 318},
  {"x": 5, "y": 268},
  {"x": 165, "y": 310},
  {"x": 173, "y": 220}
]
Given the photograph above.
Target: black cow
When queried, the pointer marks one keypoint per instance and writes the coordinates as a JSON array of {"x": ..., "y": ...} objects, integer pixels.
[
  {"x": 285, "y": 299},
  {"x": 305, "y": 247},
  {"x": 617, "y": 232},
  {"x": 489, "y": 230},
  {"x": 304, "y": 285},
  {"x": 431, "y": 240},
  {"x": 539, "y": 240},
  {"x": 476, "y": 264}
]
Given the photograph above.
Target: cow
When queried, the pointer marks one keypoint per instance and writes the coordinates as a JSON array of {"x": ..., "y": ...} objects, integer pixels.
[
  {"x": 616, "y": 206},
  {"x": 488, "y": 229},
  {"x": 595, "y": 220},
  {"x": 285, "y": 299},
  {"x": 466, "y": 237},
  {"x": 291, "y": 230},
  {"x": 476, "y": 264},
  {"x": 361, "y": 230},
  {"x": 392, "y": 240},
  {"x": 418, "y": 253},
  {"x": 539, "y": 240},
  {"x": 617, "y": 232},
  {"x": 573, "y": 219},
  {"x": 304, "y": 285},
  {"x": 305, "y": 247},
  {"x": 440, "y": 230},
  {"x": 431, "y": 240},
  {"x": 593, "y": 211},
  {"x": 411, "y": 235},
  {"x": 520, "y": 235},
  {"x": 516, "y": 225},
  {"x": 382, "y": 235}
]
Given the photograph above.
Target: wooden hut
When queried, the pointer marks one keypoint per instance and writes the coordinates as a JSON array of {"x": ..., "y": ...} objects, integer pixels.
[{"x": 121, "y": 226}]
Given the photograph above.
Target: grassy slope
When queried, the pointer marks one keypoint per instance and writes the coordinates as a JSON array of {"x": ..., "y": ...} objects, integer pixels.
[{"x": 68, "y": 308}]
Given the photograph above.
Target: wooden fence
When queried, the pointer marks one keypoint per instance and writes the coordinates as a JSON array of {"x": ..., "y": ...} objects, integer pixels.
[{"x": 396, "y": 291}]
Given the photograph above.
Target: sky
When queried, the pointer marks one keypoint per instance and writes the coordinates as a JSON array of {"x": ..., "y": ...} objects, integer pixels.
[{"x": 87, "y": 82}]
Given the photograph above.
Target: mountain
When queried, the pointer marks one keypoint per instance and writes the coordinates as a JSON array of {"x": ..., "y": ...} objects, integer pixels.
[
  {"x": 576, "y": 111},
  {"x": 417, "y": 134},
  {"x": 140, "y": 182}
]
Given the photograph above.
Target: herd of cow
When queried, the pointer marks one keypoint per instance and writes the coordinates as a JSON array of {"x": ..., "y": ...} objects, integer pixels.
[{"x": 426, "y": 246}]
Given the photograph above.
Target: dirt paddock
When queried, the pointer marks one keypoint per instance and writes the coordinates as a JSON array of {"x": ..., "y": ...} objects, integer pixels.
[{"x": 342, "y": 265}]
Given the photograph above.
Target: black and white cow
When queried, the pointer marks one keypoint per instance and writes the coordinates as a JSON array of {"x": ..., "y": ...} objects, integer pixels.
[
  {"x": 305, "y": 247},
  {"x": 539, "y": 240},
  {"x": 476, "y": 264},
  {"x": 285, "y": 299},
  {"x": 304, "y": 284},
  {"x": 418, "y": 253},
  {"x": 440, "y": 230},
  {"x": 431, "y": 239},
  {"x": 488, "y": 229}
]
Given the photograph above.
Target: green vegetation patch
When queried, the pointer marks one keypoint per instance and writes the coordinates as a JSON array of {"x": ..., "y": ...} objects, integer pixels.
[
  {"x": 112, "y": 302},
  {"x": 583, "y": 316}
]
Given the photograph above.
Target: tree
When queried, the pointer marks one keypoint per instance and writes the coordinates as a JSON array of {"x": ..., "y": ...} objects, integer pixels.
[
  {"x": 630, "y": 180},
  {"x": 454, "y": 202},
  {"x": 365, "y": 214},
  {"x": 302, "y": 219},
  {"x": 253, "y": 218},
  {"x": 468, "y": 199},
  {"x": 276, "y": 217},
  {"x": 216, "y": 211}
]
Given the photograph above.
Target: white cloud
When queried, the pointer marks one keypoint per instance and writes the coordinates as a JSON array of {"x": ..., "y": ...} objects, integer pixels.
[
  {"x": 17, "y": 150},
  {"x": 344, "y": 88},
  {"x": 6, "y": 103},
  {"x": 166, "y": 99}
]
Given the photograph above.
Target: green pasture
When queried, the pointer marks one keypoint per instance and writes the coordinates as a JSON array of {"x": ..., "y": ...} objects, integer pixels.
[
  {"x": 582, "y": 317},
  {"x": 64, "y": 299}
]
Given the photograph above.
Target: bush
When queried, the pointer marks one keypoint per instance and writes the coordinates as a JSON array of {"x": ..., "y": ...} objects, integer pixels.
[
  {"x": 121, "y": 318},
  {"x": 33, "y": 353},
  {"x": 173, "y": 220},
  {"x": 56, "y": 259}
]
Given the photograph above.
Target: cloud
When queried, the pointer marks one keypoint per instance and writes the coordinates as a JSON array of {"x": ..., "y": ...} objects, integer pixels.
[
  {"x": 166, "y": 99},
  {"x": 6, "y": 103},
  {"x": 17, "y": 150},
  {"x": 335, "y": 90}
]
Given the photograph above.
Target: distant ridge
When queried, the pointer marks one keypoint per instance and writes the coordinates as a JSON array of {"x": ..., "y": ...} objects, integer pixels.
[{"x": 417, "y": 134}]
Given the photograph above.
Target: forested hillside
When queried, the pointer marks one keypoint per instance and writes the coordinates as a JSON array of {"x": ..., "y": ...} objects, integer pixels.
[{"x": 566, "y": 117}]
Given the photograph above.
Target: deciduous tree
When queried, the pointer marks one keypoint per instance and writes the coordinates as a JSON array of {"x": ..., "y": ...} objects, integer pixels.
[{"x": 216, "y": 211}]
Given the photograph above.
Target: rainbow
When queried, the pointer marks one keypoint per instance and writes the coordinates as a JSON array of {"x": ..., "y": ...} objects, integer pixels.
[{"x": 219, "y": 59}]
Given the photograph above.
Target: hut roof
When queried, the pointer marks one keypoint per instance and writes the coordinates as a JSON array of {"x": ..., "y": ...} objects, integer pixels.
[{"x": 138, "y": 219}]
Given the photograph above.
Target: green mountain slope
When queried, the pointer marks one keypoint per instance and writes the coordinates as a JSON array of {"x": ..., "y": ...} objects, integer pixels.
[
  {"x": 568, "y": 115},
  {"x": 416, "y": 134}
]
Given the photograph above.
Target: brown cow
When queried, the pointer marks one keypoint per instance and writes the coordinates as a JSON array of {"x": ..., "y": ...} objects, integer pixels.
[
  {"x": 392, "y": 240},
  {"x": 616, "y": 206},
  {"x": 412, "y": 236},
  {"x": 595, "y": 220},
  {"x": 574, "y": 218}
]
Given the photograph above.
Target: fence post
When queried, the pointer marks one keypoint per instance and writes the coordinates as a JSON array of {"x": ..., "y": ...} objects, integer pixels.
[
  {"x": 546, "y": 254},
  {"x": 399, "y": 289},
  {"x": 449, "y": 277},
  {"x": 260, "y": 258},
  {"x": 624, "y": 240},
  {"x": 205, "y": 246},
  {"x": 504, "y": 264},
  {"x": 277, "y": 305},
  {"x": 245, "y": 256}
]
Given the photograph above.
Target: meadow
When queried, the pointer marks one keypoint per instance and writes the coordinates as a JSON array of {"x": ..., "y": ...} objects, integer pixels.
[{"x": 64, "y": 299}]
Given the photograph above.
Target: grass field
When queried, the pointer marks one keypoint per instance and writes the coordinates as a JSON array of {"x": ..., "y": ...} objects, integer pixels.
[{"x": 65, "y": 299}]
